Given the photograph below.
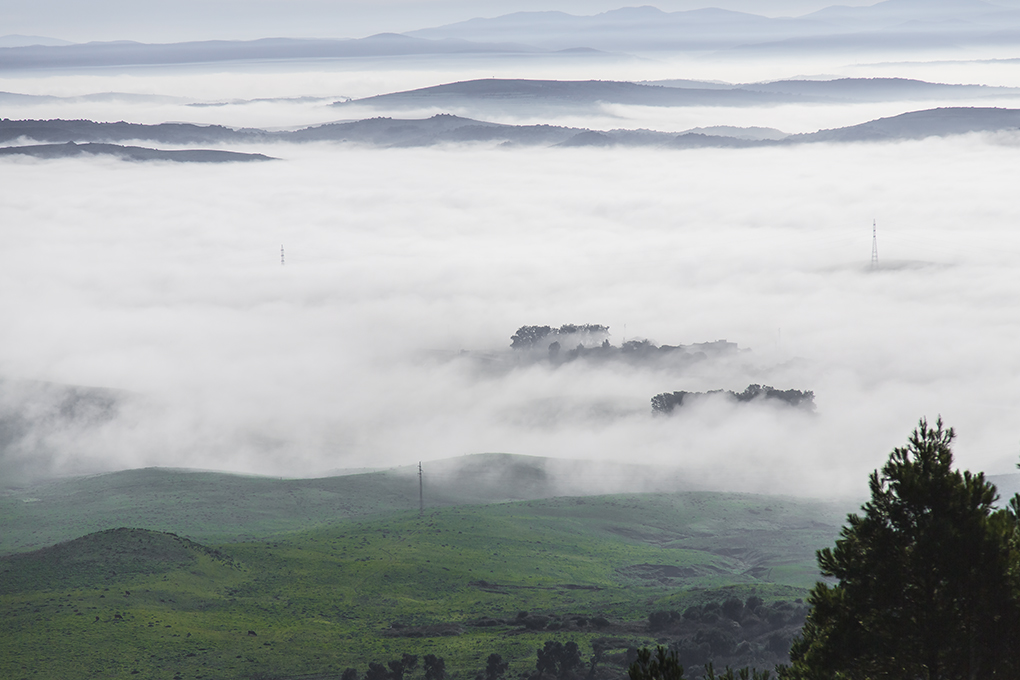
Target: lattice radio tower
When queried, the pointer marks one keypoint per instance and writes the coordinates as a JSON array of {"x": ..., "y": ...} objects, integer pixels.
[
  {"x": 281, "y": 255},
  {"x": 874, "y": 244},
  {"x": 421, "y": 493}
]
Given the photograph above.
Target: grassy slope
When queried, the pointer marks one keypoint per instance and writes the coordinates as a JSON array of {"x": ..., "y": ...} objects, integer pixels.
[
  {"x": 327, "y": 598},
  {"x": 207, "y": 506},
  {"x": 216, "y": 507}
]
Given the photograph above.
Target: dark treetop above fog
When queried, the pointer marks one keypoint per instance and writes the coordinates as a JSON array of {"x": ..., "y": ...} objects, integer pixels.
[
  {"x": 590, "y": 342},
  {"x": 668, "y": 402}
]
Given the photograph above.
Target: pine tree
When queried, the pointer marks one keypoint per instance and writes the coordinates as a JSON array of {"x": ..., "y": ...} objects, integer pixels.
[{"x": 927, "y": 582}]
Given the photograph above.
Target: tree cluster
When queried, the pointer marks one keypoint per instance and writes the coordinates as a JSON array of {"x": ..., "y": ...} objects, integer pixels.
[
  {"x": 433, "y": 666},
  {"x": 531, "y": 337},
  {"x": 590, "y": 342},
  {"x": 665, "y": 665},
  {"x": 667, "y": 402},
  {"x": 558, "y": 660},
  {"x": 748, "y": 633},
  {"x": 547, "y": 622}
]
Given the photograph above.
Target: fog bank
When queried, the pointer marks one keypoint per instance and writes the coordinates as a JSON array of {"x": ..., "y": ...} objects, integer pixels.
[{"x": 166, "y": 281}]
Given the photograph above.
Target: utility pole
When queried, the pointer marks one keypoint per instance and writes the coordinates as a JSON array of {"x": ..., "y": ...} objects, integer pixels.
[
  {"x": 874, "y": 244},
  {"x": 421, "y": 493}
]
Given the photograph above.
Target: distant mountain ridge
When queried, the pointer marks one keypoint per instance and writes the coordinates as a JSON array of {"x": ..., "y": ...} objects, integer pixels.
[
  {"x": 447, "y": 129},
  {"x": 521, "y": 92},
  {"x": 129, "y": 53},
  {"x": 16, "y": 40},
  {"x": 516, "y": 95},
  {"x": 889, "y": 25},
  {"x": 931, "y": 23}
]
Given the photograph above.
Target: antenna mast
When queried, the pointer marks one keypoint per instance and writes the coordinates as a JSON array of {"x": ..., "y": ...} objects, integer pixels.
[
  {"x": 421, "y": 493},
  {"x": 874, "y": 244}
]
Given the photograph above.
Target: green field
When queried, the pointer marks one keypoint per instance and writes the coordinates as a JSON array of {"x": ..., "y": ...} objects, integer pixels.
[
  {"x": 218, "y": 507},
  {"x": 370, "y": 587}
]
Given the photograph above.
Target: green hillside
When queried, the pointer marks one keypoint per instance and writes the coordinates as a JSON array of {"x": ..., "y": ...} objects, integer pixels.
[
  {"x": 206, "y": 506},
  {"x": 218, "y": 507},
  {"x": 460, "y": 582}
]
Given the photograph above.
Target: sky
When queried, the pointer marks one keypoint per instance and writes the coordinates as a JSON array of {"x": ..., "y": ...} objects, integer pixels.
[{"x": 384, "y": 338}]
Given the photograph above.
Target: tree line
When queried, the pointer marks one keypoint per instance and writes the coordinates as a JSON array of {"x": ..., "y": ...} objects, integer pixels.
[
  {"x": 667, "y": 402},
  {"x": 531, "y": 337},
  {"x": 591, "y": 342}
]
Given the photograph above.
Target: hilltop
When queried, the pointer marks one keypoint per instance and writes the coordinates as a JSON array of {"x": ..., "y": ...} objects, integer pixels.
[{"x": 116, "y": 554}]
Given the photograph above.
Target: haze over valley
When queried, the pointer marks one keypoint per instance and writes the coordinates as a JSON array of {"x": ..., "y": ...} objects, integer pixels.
[
  {"x": 456, "y": 340},
  {"x": 165, "y": 281}
]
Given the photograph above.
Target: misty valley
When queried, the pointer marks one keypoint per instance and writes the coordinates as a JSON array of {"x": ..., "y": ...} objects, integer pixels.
[{"x": 264, "y": 413}]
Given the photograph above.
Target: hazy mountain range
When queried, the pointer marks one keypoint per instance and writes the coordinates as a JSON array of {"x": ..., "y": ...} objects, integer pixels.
[
  {"x": 498, "y": 96},
  {"x": 15, "y": 40},
  {"x": 128, "y": 53},
  {"x": 445, "y": 128},
  {"x": 894, "y": 25}
]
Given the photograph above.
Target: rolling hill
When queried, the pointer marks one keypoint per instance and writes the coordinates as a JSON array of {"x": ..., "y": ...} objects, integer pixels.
[
  {"x": 460, "y": 582},
  {"x": 346, "y": 571},
  {"x": 220, "y": 507}
]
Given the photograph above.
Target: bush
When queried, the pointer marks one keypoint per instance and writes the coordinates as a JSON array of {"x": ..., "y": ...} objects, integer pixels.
[{"x": 733, "y": 609}]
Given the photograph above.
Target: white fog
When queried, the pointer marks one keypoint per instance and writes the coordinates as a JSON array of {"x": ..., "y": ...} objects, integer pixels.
[
  {"x": 384, "y": 337},
  {"x": 165, "y": 280}
]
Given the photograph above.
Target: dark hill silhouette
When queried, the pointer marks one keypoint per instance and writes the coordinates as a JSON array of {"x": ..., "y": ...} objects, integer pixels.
[
  {"x": 567, "y": 93},
  {"x": 878, "y": 89},
  {"x": 940, "y": 122},
  {"x": 58, "y": 131},
  {"x": 492, "y": 93},
  {"x": 131, "y": 153},
  {"x": 445, "y": 128}
]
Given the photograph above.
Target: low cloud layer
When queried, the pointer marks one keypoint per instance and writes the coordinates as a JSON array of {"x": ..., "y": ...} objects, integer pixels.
[{"x": 165, "y": 281}]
